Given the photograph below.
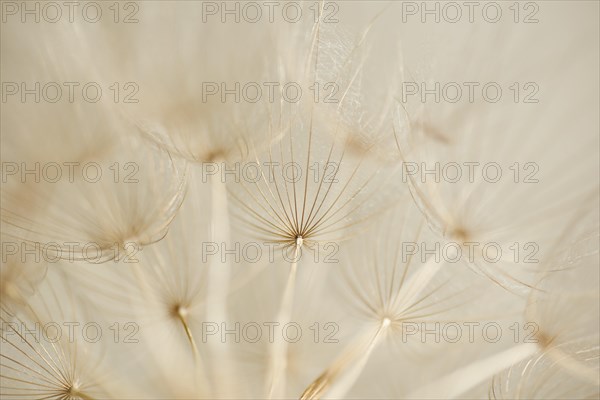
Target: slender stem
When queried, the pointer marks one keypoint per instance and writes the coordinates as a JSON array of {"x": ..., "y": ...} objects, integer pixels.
[
  {"x": 219, "y": 271},
  {"x": 459, "y": 382},
  {"x": 181, "y": 316},
  {"x": 201, "y": 377},
  {"x": 278, "y": 361},
  {"x": 219, "y": 281},
  {"x": 342, "y": 374}
]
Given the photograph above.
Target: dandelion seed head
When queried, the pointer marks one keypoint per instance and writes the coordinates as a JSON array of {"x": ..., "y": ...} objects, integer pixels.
[{"x": 336, "y": 141}]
